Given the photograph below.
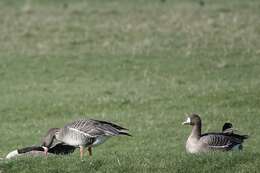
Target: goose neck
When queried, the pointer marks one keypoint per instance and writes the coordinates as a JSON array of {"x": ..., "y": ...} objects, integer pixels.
[
  {"x": 196, "y": 131},
  {"x": 58, "y": 135}
]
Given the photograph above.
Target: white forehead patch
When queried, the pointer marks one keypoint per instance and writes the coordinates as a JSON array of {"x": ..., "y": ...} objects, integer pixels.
[{"x": 188, "y": 120}]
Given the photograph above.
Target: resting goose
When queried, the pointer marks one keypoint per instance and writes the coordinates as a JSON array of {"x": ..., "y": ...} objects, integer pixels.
[
  {"x": 227, "y": 127},
  {"x": 27, "y": 151},
  {"x": 85, "y": 133},
  {"x": 198, "y": 142},
  {"x": 60, "y": 149},
  {"x": 56, "y": 147}
]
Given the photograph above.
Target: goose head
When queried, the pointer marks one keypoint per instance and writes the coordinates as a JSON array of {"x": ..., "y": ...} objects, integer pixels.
[
  {"x": 49, "y": 139},
  {"x": 193, "y": 119},
  {"x": 226, "y": 126}
]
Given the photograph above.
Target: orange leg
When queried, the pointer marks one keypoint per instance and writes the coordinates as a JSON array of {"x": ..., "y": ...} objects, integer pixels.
[
  {"x": 81, "y": 149},
  {"x": 90, "y": 151}
]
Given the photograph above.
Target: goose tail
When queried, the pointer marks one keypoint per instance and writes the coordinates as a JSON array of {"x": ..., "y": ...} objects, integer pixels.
[{"x": 124, "y": 133}]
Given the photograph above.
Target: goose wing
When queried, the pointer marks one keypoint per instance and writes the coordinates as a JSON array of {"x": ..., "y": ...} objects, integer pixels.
[
  {"x": 220, "y": 140},
  {"x": 109, "y": 128},
  {"x": 94, "y": 128}
]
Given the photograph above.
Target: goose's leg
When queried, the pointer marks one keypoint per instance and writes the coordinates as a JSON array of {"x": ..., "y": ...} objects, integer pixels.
[
  {"x": 81, "y": 149},
  {"x": 90, "y": 151}
]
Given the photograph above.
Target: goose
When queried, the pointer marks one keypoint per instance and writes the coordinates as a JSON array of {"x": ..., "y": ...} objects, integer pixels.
[
  {"x": 59, "y": 149},
  {"x": 85, "y": 133},
  {"x": 199, "y": 143},
  {"x": 56, "y": 147},
  {"x": 26, "y": 151},
  {"x": 227, "y": 127}
]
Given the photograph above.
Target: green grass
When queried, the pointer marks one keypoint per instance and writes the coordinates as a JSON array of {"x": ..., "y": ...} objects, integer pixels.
[{"x": 140, "y": 63}]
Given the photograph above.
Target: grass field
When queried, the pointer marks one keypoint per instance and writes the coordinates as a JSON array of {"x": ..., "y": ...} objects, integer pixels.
[{"x": 140, "y": 63}]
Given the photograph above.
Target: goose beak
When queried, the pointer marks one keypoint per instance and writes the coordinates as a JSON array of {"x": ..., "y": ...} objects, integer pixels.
[{"x": 187, "y": 122}]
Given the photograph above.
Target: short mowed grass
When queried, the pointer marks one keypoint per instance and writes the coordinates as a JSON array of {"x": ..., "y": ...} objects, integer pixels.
[{"x": 142, "y": 64}]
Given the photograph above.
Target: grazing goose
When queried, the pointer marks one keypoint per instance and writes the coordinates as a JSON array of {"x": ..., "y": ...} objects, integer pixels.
[
  {"x": 85, "y": 133},
  {"x": 56, "y": 147},
  {"x": 198, "y": 142}
]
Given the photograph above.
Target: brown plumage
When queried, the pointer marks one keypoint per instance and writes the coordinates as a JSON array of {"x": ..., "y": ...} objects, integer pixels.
[
  {"x": 49, "y": 145},
  {"x": 84, "y": 133},
  {"x": 198, "y": 142}
]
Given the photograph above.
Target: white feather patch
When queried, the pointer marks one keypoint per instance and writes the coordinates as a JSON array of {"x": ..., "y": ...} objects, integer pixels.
[
  {"x": 188, "y": 121},
  {"x": 12, "y": 154},
  {"x": 222, "y": 146},
  {"x": 78, "y": 131}
]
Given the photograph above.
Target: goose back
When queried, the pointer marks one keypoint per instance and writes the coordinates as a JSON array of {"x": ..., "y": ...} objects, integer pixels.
[
  {"x": 95, "y": 128},
  {"x": 75, "y": 137},
  {"x": 89, "y": 131}
]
